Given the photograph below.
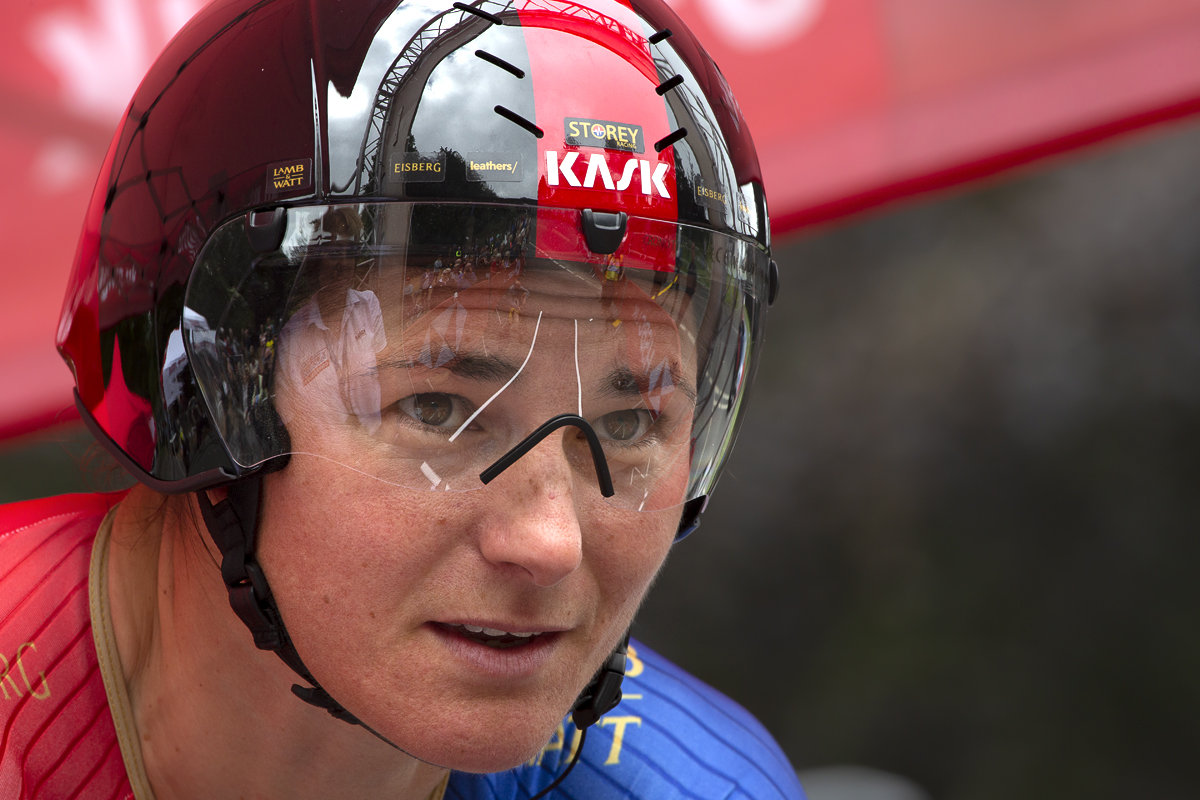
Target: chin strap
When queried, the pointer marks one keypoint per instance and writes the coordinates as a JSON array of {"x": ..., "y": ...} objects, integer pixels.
[
  {"x": 603, "y": 693},
  {"x": 597, "y": 699},
  {"x": 233, "y": 526}
]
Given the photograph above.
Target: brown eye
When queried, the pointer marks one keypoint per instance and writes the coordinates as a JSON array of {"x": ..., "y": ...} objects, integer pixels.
[
  {"x": 621, "y": 426},
  {"x": 433, "y": 409}
]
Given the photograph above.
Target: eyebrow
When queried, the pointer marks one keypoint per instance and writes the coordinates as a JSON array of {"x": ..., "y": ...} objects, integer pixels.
[
  {"x": 624, "y": 382},
  {"x": 473, "y": 366}
]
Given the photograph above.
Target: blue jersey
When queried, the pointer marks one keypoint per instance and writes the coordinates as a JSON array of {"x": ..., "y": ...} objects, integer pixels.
[{"x": 672, "y": 736}]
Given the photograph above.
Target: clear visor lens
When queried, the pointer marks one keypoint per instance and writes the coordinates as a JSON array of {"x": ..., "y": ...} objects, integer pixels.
[{"x": 419, "y": 344}]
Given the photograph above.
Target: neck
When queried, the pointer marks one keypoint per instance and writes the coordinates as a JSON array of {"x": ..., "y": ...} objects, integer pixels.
[{"x": 215, "y": 715}]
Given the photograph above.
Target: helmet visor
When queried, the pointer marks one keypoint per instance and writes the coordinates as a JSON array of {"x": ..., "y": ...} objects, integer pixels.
[{"x": 420, "y": 343}]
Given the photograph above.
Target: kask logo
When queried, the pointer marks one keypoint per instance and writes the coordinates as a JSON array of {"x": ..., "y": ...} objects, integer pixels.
[{"x": 651, "y": 179}]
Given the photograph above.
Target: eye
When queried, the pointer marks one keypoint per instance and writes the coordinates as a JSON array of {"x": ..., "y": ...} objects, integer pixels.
[
  {"x": 624, "y": 426},
  {"x": 435, "y": 409}
]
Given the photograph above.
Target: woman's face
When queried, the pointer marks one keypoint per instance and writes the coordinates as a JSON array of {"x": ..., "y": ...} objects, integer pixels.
[{"x": 381, "y": 582}]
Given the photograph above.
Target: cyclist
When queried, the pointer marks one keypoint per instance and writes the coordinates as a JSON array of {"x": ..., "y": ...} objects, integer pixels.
[{"x": 426, "y": 331}]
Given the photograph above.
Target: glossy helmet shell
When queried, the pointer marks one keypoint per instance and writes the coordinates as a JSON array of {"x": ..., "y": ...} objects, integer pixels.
[{"x": 261, "y": 105}]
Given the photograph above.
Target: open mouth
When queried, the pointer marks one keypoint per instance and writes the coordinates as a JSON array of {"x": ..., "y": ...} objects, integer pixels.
[{"x": 490, "y": 637}]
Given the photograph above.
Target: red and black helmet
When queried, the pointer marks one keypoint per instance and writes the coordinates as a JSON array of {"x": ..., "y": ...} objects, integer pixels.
[{"x": 473, "y": 141}]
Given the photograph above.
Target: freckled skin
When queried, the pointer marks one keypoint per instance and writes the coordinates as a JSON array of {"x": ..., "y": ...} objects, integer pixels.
[
  {"x": 528, "y": 548},
  {"x": 538, "y": 548}
]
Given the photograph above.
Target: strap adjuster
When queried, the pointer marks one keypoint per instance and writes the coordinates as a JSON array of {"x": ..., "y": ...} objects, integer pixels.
[{"x": 245, "y": 603}]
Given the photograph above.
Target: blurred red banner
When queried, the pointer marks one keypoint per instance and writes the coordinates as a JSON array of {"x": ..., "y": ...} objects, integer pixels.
[{"x": 852, "y": 103}]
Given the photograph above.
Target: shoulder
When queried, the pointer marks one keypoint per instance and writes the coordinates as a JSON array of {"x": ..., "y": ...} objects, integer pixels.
[
  {"x": 672, "y": 736},
  {"x": 16, "y": 517},
  {"x": 308, "y": 314},
  {"x": 42, "y": 543},
  {"x": 56, "y": 735}
]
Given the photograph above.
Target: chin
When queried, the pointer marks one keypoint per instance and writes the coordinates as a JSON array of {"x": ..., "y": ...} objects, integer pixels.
[
  {"x": 489, "y": 750},
  {"x": 492, "y": 757},
  {"x": 480, "y": 736}
]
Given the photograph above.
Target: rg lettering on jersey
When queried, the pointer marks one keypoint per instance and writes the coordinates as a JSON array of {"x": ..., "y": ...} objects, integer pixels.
[
  {"x": 650, "y": 180},
  {"x": 36, "y": 686}
]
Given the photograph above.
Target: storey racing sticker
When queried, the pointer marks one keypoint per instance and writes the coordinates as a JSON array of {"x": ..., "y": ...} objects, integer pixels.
[
  {"x": 650, "y": 179},
  {"x": 491, "y": 167},
  {"x": 419, "y": 168},
  {"x": 287, "y": 176},
  {"x": 582, "y": 132}
]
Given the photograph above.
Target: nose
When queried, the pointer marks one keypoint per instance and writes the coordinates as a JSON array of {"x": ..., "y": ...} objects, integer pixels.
[{"x": 533, "y": 525}]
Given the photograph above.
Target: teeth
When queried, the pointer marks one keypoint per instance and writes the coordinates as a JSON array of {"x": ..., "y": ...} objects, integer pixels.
[{"x": 495, "y": 632}]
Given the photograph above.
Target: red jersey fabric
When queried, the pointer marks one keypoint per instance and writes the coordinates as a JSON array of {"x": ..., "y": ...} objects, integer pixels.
[{"x": 57, "y": 738}]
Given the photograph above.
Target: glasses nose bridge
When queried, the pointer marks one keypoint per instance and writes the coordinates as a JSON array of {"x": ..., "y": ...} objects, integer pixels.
[{"x": 548, "y": 427}]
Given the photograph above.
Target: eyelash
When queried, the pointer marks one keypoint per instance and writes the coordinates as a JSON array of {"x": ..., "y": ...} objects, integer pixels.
[
  {"x": 407, "y": 419},
  {"x": 652, "y": 436}
]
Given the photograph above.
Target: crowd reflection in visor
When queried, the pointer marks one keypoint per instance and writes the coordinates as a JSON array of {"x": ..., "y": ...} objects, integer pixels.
[{"x": 416, "y": 363}]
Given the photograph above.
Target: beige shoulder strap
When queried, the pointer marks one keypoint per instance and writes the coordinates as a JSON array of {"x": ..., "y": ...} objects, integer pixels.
[{"x": 110, "y": 662}]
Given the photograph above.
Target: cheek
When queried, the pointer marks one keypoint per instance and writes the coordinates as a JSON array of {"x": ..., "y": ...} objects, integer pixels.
[
  {"x": 332, "y": 537},
  {"x": 626, "y": 556}
]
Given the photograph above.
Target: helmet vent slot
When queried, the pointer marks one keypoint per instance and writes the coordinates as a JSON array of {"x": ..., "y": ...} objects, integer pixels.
[
  {"x": 668, "y": 85},
  {"x": 265, "y": 229},
  {"x": 514, "y": 117},
  {"x": 501, "y": 63},
  {"x": 479, "y": 12},
  {"x": 669, "y": 139}
]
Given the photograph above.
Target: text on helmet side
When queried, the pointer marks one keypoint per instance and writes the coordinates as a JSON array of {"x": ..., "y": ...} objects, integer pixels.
[{"x": 559, "y": 169}]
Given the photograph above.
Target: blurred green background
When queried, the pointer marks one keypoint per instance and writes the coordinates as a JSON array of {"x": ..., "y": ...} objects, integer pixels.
[{"x": 957, "y": 540}]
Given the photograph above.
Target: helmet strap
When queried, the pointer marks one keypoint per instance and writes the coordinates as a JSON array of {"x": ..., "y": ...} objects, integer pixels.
[
  {"x": 233, "y": 524},
  {"x": 603, "y": 693}
]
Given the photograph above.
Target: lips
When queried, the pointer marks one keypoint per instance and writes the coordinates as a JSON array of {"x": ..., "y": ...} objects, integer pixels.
[
  {"x": 487, "y": 650},
  {"x": 493, "y": 637}
]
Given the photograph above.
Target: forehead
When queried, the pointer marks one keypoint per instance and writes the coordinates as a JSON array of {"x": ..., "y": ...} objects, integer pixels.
[{"x": 556, "y": 291}]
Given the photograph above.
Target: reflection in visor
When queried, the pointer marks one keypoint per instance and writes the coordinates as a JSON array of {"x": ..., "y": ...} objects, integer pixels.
[
  {"x": 517, "y": 374},
  {"x": 420, "y": 344}
]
